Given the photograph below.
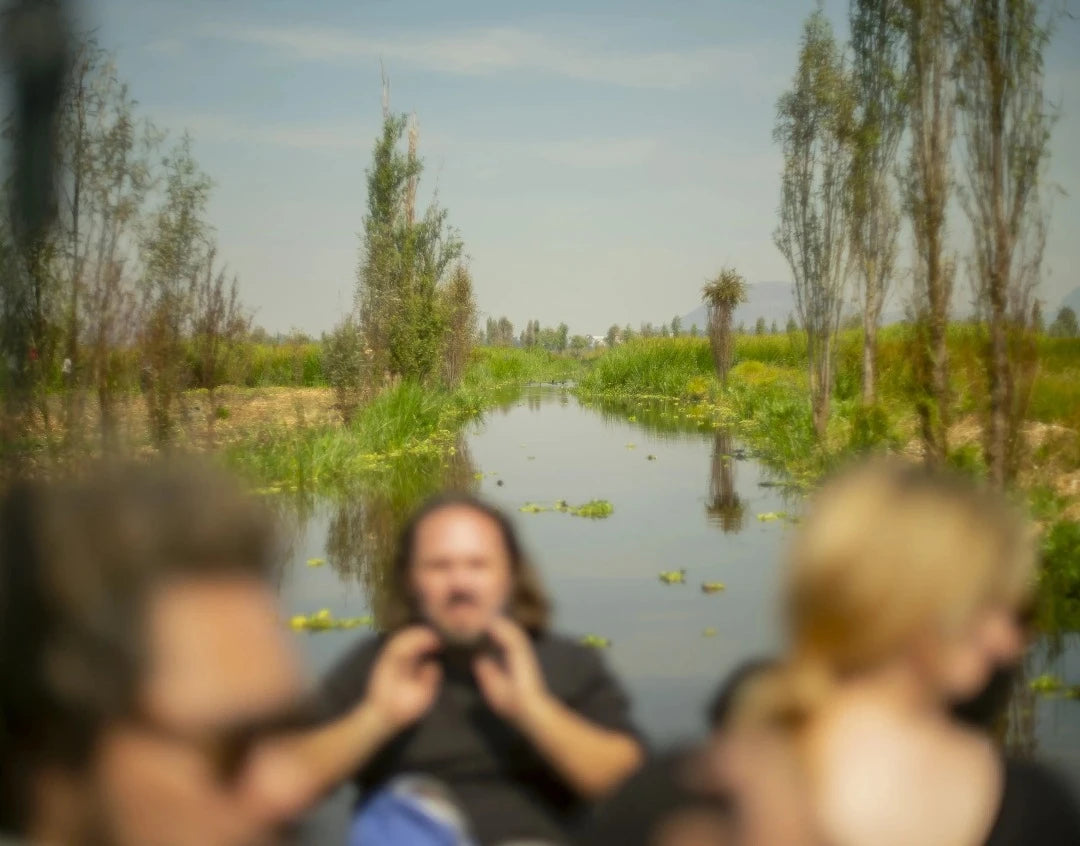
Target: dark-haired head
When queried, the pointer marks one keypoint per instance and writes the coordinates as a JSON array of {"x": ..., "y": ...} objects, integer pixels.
[
  {"x": 134, "y": 605},
  {"x": 722, "y": 705},
  {"x": 459, "y": 562}
]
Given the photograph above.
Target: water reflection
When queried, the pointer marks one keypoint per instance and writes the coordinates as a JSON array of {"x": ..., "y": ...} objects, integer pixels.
[
  {"x": 667, "y": 419},
  {"x": 603, "y": 574},
  {"x": 724, "y": 506},
  {"x": 365, "y": 521}
]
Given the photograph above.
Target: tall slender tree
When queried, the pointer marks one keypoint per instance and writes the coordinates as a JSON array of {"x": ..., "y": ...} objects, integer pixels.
[
  {"x": 879, "y": 85},
  {"x": 459, "y": 308},
  {"x": 1007, "y": 125},
  {"x": 814, "y": 129},
  {"x": 926, "y": 185},
  {"x": 174, "y": 249}
]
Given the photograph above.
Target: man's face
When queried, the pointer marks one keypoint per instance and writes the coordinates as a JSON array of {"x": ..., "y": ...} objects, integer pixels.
[
  {"x": 219, "y": 659},
  {"x": 460, "y": 574}
]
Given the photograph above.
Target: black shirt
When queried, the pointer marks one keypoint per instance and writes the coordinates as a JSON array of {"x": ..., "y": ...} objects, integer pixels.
[
  {"x": 659, "y": 791},
  {"x": 1036, "y": 807},
  {"x": 505, "y": 787}
]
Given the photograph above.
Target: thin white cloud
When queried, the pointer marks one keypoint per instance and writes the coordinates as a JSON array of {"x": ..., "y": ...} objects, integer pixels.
[
  {"x": 170, "y": 47},
  {"x": 491, "y": 50},
  {"x": 598, "y": 153},
  {"x": 229, "y": 128}
]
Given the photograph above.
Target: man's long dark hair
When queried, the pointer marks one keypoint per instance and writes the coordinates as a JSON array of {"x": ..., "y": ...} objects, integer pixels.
[{"x": 529, "y": 605}]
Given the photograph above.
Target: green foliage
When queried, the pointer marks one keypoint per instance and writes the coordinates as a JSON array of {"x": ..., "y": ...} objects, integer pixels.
[
  {"x": 502, "y": 366},
  {"x": 173, "y": 251},
  {"x": 652, "y": 366},
  {"x": 459, "y": 317},
  {"x": 300, "y": 365},
  {"x": 403, "y": 263},
  {"x": 1065, "y": 324},
  {"x": 1060, "y": 576},
  {"x": 813, "y": 128},
  {"x": 346, "y": 366}
]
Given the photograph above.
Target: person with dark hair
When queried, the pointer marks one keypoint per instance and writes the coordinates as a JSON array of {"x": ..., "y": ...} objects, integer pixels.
[
  {"x": 724, "y": 700},
  {"x": 142, "y": 662},
  {"x": 468, "y": 705}
]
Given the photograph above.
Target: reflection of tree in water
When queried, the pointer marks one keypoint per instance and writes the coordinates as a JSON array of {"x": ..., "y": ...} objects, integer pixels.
[
  {"x": 364, "y": 530},
  {"x": 534, "y": 399},
  {"x": 1017, "y": 728},
  {"x": 724, "y": 506},
  {"x": 291, "y": 513}
]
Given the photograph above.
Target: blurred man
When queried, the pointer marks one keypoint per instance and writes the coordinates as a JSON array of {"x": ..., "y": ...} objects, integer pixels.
[
  {"x": 142, "y": 658},
  {"x": 469, "y": 697}
]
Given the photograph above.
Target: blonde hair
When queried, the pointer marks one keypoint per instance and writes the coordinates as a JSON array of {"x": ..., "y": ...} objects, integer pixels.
[{"x": 888, "y": 552}]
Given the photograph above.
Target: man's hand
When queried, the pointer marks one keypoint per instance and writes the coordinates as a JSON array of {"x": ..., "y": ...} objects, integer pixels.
[
  {"x": 404, "y": 681},
  {"x": 592, "y": 759},
  {"x": 515, "y": 687}
]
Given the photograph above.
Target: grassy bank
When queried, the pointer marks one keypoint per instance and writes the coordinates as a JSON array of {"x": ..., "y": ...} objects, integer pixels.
[
  {"x": 766, "y": 404},
  {"x": 408, "y": 420}
]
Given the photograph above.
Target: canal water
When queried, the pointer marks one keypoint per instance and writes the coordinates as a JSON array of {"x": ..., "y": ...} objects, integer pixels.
[{"x": 685, "y": 497}]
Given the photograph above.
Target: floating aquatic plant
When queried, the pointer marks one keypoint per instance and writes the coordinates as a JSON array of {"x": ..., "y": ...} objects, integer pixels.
[
  {"x": 673, "y": 577},
  {"x": 316, "y": 562},
  {"x": 323, "y": 620},
  {"x": 594, "y": 509},
  {"x": 632, "y": 418},
  {"x": 709, "y": 632},
  {"x": 650, "y": 457},
  {"x": 769, "y": 516},
  {"x": 1046, "y": 683},
  {"x": 713, "y": 587},
  {"x": 595, "y": 641},
  {"x": 631, "y": 446}
]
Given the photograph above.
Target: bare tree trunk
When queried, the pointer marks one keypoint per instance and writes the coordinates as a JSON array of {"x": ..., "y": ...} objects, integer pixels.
[{"x": 869, "y": 356}]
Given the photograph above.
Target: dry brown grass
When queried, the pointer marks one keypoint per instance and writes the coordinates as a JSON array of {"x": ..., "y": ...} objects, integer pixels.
[{"x": 201, "y": 422}]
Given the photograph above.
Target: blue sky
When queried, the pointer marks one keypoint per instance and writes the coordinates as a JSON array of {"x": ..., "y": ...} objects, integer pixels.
[{"x": 600, "y": 159}]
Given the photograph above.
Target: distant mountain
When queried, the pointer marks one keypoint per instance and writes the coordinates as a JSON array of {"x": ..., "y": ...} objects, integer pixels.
[
  {"x": 776, "y": 300},
  {"x": 771, "y": 300}
]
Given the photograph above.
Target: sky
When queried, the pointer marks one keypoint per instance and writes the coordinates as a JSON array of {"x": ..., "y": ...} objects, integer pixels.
[{"x": 600, "y": 160}]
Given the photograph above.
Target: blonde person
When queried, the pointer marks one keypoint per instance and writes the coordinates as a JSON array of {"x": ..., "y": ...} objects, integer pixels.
[{"x": 902, "y": 595}]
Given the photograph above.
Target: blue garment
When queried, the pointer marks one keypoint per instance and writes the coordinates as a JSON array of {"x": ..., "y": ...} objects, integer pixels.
[{"x": 409, "y": 811}]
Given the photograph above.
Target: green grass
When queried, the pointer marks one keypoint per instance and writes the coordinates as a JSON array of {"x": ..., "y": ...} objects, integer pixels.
[
  {"x": 501, "y": 366},
  {"x": 408, "y": 421},
  {"x": 671, "y": 383}
]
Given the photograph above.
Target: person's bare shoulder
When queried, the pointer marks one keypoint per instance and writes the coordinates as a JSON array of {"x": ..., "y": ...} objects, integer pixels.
[{"x": 883, "y": 781}]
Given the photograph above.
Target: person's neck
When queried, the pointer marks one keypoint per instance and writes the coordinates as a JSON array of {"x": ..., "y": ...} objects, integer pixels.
[{"x": 894, "y": 688}]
